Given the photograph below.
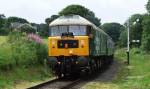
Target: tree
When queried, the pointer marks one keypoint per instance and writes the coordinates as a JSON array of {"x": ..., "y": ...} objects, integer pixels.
[
  {"x": 49, "y": 20},
  {"x": 113, "y": 29},
  {"x": 2, "y": 23},
  {"x": 148, "y": 6},
  {"x": 82, "y": 11},
  {"x": 123, "y": 39},
  {"x": 27, "y": 28},
  {"x": 2, "y": 20},
  {"x": 146, "y": 33},
  {"x": 43, "y": 29},
  {"x": 15, "y": 19}
]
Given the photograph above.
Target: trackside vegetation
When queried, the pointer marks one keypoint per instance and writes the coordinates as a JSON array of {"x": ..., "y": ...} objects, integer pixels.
[
  {"x": 22, "y": 59},
  {"x": 137, "y": 74},
  {"x": 21, "y": 49}
]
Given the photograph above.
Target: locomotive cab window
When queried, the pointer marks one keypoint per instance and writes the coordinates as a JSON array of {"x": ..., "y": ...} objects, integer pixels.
[
  {"x": 77, "y": 30},
  {"x": 57, "y": 30}
]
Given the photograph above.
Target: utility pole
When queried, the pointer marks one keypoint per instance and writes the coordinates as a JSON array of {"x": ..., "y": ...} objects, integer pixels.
[{"x": 128, "y": 42}]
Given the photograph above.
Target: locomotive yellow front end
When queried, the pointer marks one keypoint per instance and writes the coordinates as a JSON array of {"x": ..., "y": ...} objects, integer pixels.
[{"x": 68, "y": 46}]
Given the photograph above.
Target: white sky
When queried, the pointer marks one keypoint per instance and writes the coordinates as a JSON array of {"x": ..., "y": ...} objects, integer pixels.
[{"x": 37, "y": 10}]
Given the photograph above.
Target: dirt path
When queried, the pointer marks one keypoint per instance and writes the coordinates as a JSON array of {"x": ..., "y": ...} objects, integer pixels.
[{"x": 109, "y": 74}]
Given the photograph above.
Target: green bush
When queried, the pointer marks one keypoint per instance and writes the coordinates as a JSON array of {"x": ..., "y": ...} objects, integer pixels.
[
  {"x": 136, "y": 51},
  {"x": 19, "y": 50},
  {"x": 6, "y": 60},
  {"x": 27, "y": 28},
  {"x": 146, "y": 33}
]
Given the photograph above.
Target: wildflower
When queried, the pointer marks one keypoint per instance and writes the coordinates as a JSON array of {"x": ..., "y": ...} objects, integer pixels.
[{"x": 35, "y": 38}]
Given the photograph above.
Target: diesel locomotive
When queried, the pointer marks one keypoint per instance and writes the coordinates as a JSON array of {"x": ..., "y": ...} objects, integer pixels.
[{"x": 76, "y": 45}]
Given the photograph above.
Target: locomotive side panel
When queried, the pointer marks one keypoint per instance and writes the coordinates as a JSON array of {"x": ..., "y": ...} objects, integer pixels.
[{"x": 98, "y": 44}]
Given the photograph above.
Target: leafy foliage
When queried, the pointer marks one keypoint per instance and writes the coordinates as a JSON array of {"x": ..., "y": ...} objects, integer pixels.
[
  {"x": 2, "y": 24},
  {"x": 20, "y": 51},
  {"x": 82, "y": 11},
  {"x": 43, "y": 29},
  {"x": 2, "y": 20},
  {"x": 146, "y": 33},
  {"x": 123, "y": 39},
  {"x": 113, "y": 29},
  {"x": 15, "y": 19},
  {"x": 5, "y": 23},
  {"x": 21, "y": 59},
  {"x": 148, "y": 6},
  {"x": 27, "y": 28}
]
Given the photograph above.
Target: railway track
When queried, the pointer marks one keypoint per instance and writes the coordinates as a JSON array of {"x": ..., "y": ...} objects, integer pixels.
[
  {"x": 68, "y": 83},
  {"x": 62, "y": 83}
]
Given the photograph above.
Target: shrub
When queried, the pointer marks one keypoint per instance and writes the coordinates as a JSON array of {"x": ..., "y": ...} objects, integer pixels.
[
  {"x": 146, "y": 34},
  {"x": 41, "y": 49},
  {"x": 27, "y": 28},
  {"x": 21, "y": 50}
]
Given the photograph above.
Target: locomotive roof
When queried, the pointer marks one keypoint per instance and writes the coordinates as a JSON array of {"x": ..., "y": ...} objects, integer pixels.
[
  {"x": 70, "y": 20},
  {"x": 74, "y": 20}
]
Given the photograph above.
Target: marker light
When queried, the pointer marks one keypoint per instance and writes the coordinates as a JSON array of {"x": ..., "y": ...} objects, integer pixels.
[
  {"x": 66, "y": 45},
  {"x": 82, "y": 43}
]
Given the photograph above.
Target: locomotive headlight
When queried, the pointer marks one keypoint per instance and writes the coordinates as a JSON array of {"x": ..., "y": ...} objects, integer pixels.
[
  {"x": 53, "y": 42},
  {"x": 71, "y": 52},
  {"x": 82, "y": 43}
]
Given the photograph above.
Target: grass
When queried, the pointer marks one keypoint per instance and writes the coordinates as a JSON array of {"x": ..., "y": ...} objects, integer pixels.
[
  {"x": 10, "y": 79},
  {"x": 5, "y": 52},
  {"x": 3, "y": 39},
  {"x": 137, "y": 74},
  {"x": 100, "y": 85},
  {"x": 133, "y": 76}
]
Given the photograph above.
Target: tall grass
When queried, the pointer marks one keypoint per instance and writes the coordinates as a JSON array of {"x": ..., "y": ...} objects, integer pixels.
[
  {"x": 19, "y": 51},
  {"x": 2, "y": 39},
  {"x": 137, "y": 74},
  {"x": 21, "y": 56}
]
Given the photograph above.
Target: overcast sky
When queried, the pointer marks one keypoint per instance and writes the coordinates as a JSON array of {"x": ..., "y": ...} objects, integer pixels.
[{"x": 37, "y": 10}]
